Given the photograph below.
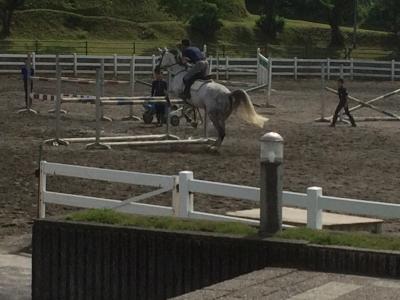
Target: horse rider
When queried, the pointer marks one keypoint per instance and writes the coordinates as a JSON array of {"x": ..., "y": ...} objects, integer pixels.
[{"x": 199, "y": 69}]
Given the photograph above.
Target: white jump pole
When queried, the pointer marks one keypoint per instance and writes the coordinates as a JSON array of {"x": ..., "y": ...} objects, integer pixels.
[
  {"x": 102, "y": 83},
  {"x": 97, "y": 144},
  {"x": 132, "y": 82},
  {"x": 57, "y": 109},
  {"x": 341, "y": 77},
  {"x": 217, "y": 76},
  {"x": 322, "y": 119},
  {"x": 269, "y": 82}
]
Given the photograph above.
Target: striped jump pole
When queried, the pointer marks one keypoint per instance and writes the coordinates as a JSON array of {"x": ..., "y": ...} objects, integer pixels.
[
  {"x": 80, "y": 80},
  {"x": 133, "y": 102},
  {"x": 51, "y": 97},
  {"x": 123, "y": 100}
]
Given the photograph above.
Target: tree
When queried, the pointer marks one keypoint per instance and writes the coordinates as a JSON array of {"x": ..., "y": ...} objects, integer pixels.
[
  {"x": 270, "y": 23},
  {"x": 7, "y": 9},
  {"x": 385, "y": 15},
  {"x": 206, "y": 22},
  {"x": 335, "y": 10}
]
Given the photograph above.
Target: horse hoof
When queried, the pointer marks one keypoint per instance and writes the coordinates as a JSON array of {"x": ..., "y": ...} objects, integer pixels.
[{"x": 213, "y": 149}]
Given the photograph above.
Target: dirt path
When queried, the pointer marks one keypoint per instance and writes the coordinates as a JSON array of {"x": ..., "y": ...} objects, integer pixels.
[{"x": 358, "y": 162}]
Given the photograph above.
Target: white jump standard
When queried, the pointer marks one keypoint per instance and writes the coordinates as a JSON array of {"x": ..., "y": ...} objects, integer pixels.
[{"x": 99, "y": 142}]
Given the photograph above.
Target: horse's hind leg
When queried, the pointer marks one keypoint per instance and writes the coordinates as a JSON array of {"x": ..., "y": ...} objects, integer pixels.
[{"x": 219, "y": 124}]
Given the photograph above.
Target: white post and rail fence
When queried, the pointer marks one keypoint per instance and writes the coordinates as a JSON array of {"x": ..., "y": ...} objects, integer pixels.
[
  {"x": 184, "y": 188},
  {"x": 223, "y": 67}
]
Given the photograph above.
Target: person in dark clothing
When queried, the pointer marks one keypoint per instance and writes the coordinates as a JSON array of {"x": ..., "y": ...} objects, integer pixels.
[
  {"x": 199, "y": 70},
  {"x": 159, "y": 88},
  {"x": 343, "y": 103},
  {"x": 24, "y": 72}
]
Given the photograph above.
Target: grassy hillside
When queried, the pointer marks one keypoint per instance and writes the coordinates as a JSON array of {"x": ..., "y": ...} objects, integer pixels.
[
  {"x": 151, "y": 24},
  {"x": 133, "y": 10}
]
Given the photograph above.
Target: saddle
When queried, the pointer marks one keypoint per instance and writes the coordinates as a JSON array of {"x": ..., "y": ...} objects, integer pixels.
[{"x": 200, "y": 82}]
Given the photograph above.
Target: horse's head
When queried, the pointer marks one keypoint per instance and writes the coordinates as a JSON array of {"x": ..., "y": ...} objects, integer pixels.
[{"x": 167, "y": 58}]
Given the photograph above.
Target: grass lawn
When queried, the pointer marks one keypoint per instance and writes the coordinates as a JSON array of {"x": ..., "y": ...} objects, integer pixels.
[
  {"x": 66, "y": 32},
  {"x": 319, "y": 237}
]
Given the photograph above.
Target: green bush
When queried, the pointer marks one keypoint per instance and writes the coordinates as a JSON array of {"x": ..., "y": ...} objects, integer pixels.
[
  {"x": 207, "y": 22},
  {"x": 271, "y": 27}
]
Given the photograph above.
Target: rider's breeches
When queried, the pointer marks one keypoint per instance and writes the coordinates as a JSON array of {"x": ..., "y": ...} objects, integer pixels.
[{"x": 199, "y": 70}]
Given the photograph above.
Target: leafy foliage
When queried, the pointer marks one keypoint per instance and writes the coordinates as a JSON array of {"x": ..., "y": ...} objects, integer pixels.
[
  {"x": 385, "y": 14},
  {"x": 270, "y": 23},
  {"x": 7, "y": 8},
  {"x": 206, "y": 23}
]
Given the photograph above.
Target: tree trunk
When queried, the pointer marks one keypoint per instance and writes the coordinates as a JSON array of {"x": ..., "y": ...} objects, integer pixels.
[
  {"x": 6, "y": 24},
  {"x": 337, "y": 39}
]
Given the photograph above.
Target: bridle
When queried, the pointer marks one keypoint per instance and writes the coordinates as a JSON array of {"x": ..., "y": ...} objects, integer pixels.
[{"x": 168, "y": 66}]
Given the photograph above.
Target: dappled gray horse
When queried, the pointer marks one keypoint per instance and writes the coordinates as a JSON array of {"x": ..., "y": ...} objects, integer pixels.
[{"x": 216, "y": 100}]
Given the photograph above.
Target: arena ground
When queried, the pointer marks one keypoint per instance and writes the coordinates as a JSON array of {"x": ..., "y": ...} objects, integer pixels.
[{"x": 361, "y": 163}]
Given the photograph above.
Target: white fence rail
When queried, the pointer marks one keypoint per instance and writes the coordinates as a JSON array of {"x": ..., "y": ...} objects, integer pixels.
[
  {"x": 183, "y": 188},
  {"x": 222, "y": 67}
]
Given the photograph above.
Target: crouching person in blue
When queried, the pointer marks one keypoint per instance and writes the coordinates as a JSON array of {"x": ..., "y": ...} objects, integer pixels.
[
  {"x": 159, "y": 88},
  {"x": 24, "y": 72}
]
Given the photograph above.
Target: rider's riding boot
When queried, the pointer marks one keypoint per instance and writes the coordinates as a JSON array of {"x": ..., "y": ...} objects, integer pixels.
[{"x": 186, "y": 92}]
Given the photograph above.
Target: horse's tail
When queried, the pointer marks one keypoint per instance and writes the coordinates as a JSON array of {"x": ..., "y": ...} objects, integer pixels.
[{"x": 241, "y": 103}]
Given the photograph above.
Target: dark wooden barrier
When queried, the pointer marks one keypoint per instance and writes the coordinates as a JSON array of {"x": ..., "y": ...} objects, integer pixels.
[{"x": 86, "y": 261}]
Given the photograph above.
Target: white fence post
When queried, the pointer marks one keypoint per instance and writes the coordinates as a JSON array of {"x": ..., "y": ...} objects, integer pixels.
[
  {"x": 352, "y": 69},
  {"x": 341, "y": 71},
  {"x": 42, "y": 189},
  {"x": 217, "y": 76},
  {"x": 132, "y": 83},
  {"x": 153, "y": 63},
  {"x": 175, "y": 197},
  {"x": 259, "y": 80},
  {"x": 393, "y": 73},
  {"x": 75, "y": 65},
  {"x": 185, "y": 197},
  {"x": 205, "y": 50},
  {"x": 210, "y": 65},
  {"x": 314, "y": 212},
  {"x": 269, "y": 79},
  {"x": 295, "y": 68},
  {"x": 115, "y": 65},
  {"x": 227, "y": 67},
  {"x": 34, "y": 61},
  {"x": 328, "y": 68}
]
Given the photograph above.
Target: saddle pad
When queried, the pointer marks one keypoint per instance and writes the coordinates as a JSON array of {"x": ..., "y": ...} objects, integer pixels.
[{"x": 199, "y": 83}]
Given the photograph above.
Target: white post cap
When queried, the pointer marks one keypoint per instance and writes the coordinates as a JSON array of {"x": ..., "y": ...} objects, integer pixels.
[{"x": 271, "y": 147}]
